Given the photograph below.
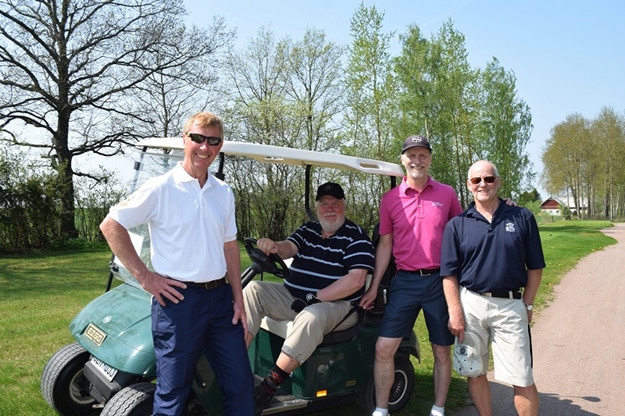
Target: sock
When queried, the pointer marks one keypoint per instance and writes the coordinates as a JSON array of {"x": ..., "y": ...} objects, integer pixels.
[
  {"x": 380, "y": 412},
  {"x": 437, "y": 411},
  {"x": 274, "y": 378}
]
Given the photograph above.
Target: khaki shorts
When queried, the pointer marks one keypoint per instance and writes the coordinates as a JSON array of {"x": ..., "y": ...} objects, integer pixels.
[
  {"x": 503, "y": 323},
  {"x": 309, "y": 326}
]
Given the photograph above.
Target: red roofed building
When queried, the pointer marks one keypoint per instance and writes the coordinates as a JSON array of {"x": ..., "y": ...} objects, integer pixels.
[{"x": 552, "y": 205}]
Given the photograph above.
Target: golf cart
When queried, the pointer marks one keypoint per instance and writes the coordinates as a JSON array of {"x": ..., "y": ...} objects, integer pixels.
[{"x": 110, "y": 369}]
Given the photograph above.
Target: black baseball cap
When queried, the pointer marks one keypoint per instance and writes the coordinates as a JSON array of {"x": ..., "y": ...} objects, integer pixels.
[
  {"x": 416, "y": 141},
  {"x": 330, "y": 188}
]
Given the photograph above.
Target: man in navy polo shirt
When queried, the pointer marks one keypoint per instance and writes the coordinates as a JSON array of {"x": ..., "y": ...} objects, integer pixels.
[
  {"x": 331, "y": 260},
  {"x": 492, "y": 263}
]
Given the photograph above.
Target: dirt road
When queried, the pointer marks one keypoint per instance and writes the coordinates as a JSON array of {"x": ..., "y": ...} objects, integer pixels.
[{"x": 579, "y": 341}]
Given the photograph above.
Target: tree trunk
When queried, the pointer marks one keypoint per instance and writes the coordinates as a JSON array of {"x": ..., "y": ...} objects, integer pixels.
[{"x": 68, "y": 226}]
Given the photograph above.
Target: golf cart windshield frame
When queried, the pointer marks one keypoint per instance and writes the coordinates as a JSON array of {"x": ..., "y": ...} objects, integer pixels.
[{"x": 172, "y": 148}]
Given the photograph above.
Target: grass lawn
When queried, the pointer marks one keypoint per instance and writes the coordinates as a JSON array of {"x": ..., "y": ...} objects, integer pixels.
[{"x": 43, "y": 292}]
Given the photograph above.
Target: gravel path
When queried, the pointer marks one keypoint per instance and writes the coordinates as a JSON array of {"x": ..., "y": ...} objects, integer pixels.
[{"x": 579, "y": 341}]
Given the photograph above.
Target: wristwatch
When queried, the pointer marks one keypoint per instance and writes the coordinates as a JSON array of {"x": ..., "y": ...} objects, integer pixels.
[{"x": 529, "y": 307}]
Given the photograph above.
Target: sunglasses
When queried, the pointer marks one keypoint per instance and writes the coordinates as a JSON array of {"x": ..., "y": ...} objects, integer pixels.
[
  {"x": 487, "y": 179},
  {"x": 199, "y": 138}
]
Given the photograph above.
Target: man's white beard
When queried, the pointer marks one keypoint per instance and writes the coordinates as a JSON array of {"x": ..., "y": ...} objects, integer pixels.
[{"x": 331, "y": 227}]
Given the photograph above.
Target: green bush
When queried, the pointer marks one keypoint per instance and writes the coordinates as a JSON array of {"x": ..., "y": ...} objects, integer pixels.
[{"x": 29, "y": 204}]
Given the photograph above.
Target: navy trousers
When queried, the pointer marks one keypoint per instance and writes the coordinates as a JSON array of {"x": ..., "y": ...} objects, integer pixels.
[{"x": 200, "y": 322}]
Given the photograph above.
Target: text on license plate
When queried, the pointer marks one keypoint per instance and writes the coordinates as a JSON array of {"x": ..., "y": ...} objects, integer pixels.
[
  {"x": 108, "y": 371},
  {"x": 95, "y": 334}
]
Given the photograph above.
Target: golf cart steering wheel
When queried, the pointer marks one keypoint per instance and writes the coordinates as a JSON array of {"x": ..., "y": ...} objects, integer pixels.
[{"x": 262, "y": 262}]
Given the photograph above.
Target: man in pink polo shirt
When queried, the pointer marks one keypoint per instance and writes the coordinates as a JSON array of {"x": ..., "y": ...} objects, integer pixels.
[{"x": 412, "y": 219}]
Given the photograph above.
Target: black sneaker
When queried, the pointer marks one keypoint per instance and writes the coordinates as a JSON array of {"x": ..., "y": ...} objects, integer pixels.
[{"x": 263, "y": 394}]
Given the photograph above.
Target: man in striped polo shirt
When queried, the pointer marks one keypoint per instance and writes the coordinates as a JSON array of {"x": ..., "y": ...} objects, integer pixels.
[{"x": 331, "y": 259}]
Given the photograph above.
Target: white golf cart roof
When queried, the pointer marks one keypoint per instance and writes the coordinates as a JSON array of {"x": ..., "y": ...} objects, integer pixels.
[{"x": 287, "y": 156}]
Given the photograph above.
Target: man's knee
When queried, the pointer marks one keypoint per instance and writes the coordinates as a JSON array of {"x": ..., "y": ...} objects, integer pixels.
[
  {"x": 442, "y": 353},
  {"x": 385, "y": 348}
]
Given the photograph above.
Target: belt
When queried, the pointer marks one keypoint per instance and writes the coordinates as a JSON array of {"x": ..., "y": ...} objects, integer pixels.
[
  {"x": 423, "y": 272},
  {"x": 207, "y": 285},
  {"x": 511, "y": 294}
]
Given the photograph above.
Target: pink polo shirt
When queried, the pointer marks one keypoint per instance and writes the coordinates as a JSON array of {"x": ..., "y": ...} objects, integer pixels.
[{"x": 417, "y": 220}]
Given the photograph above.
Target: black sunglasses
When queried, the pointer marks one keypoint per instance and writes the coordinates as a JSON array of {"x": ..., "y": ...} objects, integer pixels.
[
  {"x": 199, "y": 138},
  {"x": 487, "y": 179}
]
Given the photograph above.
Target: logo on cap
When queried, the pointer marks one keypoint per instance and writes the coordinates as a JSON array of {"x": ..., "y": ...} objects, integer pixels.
[{"x": 416, "y": 141}]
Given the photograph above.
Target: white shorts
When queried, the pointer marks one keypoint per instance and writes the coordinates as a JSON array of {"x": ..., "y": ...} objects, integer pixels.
[{"x": 503, "y": 323}]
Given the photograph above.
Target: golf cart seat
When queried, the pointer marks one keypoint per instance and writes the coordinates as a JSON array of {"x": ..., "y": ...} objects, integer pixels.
[{"x": 282, "y": 328}]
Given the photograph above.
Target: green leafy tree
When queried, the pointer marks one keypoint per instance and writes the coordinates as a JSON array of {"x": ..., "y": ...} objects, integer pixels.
[
  {"x": 568, "y": 169},
  {"x": 371, "y": 109},
  {"x": 435, "y": 79},
  {"x": 608, "y": 155},
  {"x": 504, "y": 129},
  {"x": 29, "y": 201},
  {"x": 467, "y": 114},
  {"x": 528, "y": 197}
]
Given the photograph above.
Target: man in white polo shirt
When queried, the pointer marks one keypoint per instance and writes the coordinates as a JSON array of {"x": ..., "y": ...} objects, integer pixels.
[{"x": 190, "y": 215}]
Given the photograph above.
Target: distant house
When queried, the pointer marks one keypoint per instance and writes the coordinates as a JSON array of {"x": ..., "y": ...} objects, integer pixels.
[{"x": 552, "y": 205}]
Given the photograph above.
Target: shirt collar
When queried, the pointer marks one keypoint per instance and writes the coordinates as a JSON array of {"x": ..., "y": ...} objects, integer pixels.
[
  {"x": 404, "y": 188},
  {"x": 181, "y": 175},
  {"x": 503, "y": 207}
]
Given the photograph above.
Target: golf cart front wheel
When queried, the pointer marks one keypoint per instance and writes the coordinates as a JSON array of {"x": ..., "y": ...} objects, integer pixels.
[
  {"x": 401, "y": 390},
  {"x": 134, "y": 400},
  {"x": 63, "y": 383}
]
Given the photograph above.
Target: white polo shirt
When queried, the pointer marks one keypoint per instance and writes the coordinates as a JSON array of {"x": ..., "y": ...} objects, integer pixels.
[{"x": 188, "y": 224}]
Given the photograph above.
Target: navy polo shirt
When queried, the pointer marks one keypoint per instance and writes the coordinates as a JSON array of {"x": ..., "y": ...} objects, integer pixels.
[
  {"x": 319, "y": 261},
  {"x": 491, "y": 257}
]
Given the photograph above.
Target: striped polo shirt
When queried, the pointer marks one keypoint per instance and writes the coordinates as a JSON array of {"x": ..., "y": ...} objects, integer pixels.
[{"x": 320, "y": 262}]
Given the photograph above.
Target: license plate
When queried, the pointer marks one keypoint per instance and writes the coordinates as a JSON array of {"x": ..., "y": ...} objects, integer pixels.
[
  {"x": 106, "y": 370},
  {"x": 95, "y": 334}
]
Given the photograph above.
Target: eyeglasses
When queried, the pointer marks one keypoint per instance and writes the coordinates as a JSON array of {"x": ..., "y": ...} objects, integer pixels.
[
  {"x": 199, "y": 138},
  {"x": 487, "y": 179}
]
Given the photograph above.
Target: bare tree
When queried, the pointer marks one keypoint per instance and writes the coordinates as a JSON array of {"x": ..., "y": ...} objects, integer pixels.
[
  {"x": 166, "y": 98},
  {"x": 313, "y": 80},
  {"x": 71, "y": 72},
  {"x": 285, "y": 93},
  {"x": 260, "y": 113}
]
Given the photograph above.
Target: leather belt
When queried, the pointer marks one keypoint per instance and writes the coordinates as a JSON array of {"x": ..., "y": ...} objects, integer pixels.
[
  {"x": 207, "y": 285},
  {"x": 423, "y": 272},
  {"x": 511, "y": 294}
]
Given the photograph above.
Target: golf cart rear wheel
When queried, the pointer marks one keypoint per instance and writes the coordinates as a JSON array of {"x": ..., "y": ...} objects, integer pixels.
[
  {"x": 134, "y": 400},
  {"x": 63, "y": 383},
  {"x": 402, "y": 388}
]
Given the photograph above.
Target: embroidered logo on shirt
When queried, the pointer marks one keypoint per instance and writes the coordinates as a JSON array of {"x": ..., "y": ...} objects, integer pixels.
[
  {"x": 510, "y": 227},
  {"x": 437, "y": 204}
]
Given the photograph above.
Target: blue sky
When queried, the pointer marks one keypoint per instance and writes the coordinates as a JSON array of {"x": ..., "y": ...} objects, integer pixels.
[{"x": 568, "y": 56}]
